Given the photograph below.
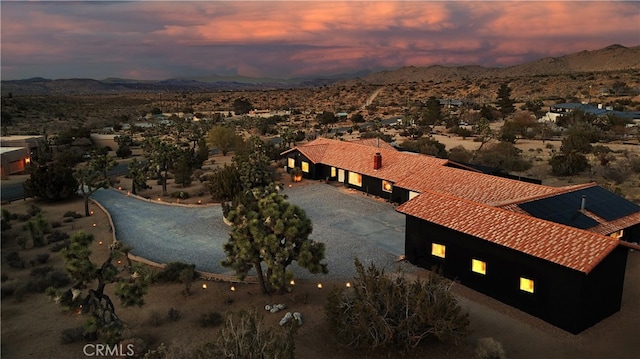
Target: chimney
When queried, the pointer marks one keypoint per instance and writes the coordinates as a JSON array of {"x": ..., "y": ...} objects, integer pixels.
[
  {"x": 377, "y": 161},
  {"x": 377, "y": 141},
  {"x": 583, "y": 204}
]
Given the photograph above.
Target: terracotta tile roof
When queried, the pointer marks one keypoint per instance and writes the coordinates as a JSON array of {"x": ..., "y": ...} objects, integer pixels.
[
  {"x": 359, "y": 158},
  {"x": 607, "y": 227},
  {"x": 473, "y": 186},
  {"x": 567, "y": 246}
]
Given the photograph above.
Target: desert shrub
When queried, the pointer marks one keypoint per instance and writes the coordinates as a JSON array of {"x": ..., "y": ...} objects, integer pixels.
[
  {"x": 57, "y": 236},
  {"x": 155, "y": 319},
  {"x": 41, "y": 272},
  {"x": 6, "y": 219},
  {"x": 173, "y": 315},
  {"x": 211, "y": 319},
  {"x": 56, "y": 224},
  {"x": 379, "y": 311},
  {"x": 22, "y": 242},
  {"x": 42, "y": 258},
  {"x": 171, "y": 273},
  {"x": 67, "y": 220},
  {"x": 58, "y": 279},
  {"x": 14, "y": 260},
  {"x": 71, "y": 335},
  {"x": 71, "y": 214},
  {"x": 136, "y": 345},
  {"x": 568, "y": 164},
  {"x": 489, "y": 348},
  {"x": 248, "y": 338},
  {"x": 4, "y": 225},
  {"x": 34, "y": 210},
  {"x": 59, "y": 246},
  {"x": 45, "y": 279},
  {"x": 23, "y": 217},
  {"x": 180, "y": 194},
  {"x": 7, "y": 289}
]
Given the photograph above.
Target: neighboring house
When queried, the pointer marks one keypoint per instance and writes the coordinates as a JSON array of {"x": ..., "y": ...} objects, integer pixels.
[
  {"x": 560, "y": 109},
  {"x": 556, "y": 253},
  {"x": 16, "y": 153},
  {"x": 14, "y": 160}
]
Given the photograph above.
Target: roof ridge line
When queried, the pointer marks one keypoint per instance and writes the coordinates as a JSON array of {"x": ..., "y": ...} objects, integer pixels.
[{"x": 560, "y": 190}]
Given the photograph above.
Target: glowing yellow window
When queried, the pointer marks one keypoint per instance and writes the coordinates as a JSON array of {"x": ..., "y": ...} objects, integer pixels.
[
  {"x": 438, "y": 250},
  {"x": 305, "y": 167},
  {"x": 291, "y": 163},
  {"x": 478, "y": 266},
  {"x": 355, "y": 179},
  {"x": 526, "y": 284},
  {"x": 387, "y": 186},
  {"x": 333, "y": 171}
]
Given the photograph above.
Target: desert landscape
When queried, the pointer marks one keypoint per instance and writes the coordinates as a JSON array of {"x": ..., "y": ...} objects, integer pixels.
[{"x": 391, "y": 105}]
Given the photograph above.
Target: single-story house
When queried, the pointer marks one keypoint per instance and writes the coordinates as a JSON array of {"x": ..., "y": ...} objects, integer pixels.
[
  {"x": 14, "y": 160},
  {"x": 556, "y": 253}
]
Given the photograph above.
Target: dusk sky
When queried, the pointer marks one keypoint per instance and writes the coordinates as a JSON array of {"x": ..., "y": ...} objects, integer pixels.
[{"x": 160, "y": 40}]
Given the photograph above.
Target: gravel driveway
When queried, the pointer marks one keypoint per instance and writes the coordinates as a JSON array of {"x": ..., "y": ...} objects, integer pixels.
[{"x": 349, "y": 223}]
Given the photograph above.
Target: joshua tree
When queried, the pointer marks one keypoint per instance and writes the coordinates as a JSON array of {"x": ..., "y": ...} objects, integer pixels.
[{"x": 131, "y": 284}]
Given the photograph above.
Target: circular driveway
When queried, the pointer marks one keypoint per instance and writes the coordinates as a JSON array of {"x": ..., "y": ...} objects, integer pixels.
[{"x": 349, "y": 223}]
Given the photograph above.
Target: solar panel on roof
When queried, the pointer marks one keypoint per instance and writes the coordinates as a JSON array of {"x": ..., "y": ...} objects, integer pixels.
[
  {"x": 564, "y": 208},
  {"x": 608, "y": 205}
]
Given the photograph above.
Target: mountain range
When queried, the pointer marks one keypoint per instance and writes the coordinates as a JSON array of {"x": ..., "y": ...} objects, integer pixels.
[{"x": 611, "y": 58}]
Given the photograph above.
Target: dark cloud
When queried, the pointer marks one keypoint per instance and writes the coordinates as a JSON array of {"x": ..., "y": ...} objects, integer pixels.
[{"x": 158, "y": 39}]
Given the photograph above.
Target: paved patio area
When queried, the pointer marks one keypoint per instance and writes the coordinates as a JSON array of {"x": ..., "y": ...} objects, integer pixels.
[{"x": 349, "y": 223}]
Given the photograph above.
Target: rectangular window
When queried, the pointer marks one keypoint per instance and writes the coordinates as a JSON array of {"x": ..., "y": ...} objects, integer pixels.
[
  {"x": 478, "y": 266},
  {"x": 305, "y": 167},
  {"x": 355, "y": 179},
  {"x": 333, "y": 171},
  {"x": 387, "y": 186},
  {"x": 438, "y": 250},
  {"x": 341, "y": 175},
  {"x": 526, "y": 284},
  {"x": 291, "y": 163}
]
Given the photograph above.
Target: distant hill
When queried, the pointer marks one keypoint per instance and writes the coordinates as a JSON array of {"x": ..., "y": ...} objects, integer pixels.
[{"x": 611, "y": 58}]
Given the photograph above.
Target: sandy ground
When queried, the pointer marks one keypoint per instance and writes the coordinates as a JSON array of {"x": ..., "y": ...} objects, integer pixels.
[{"x": 31, "y": 325}]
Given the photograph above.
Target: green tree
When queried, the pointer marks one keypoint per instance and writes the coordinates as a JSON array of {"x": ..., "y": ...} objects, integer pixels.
[
  {"x": 224, "y": 183},
  {"x": 568, "y": 163},
  {"x": 505, "y": 102},
  {"x": 202, "y": 153},
  {"x": 427, "y": 146},
  {"x": 161, "y": 156},
  {"x": 93, "y": 176},
  {"x": 484, "y": 133},
  {"x": 223, "y": 138},
  {"x": 433, "y": 112},
  {"x": 241, "y": 106},
  {"x": 326, "y": 117},
  {"x": 275, "y": 233},
  {"x": 183, "y": 166},
  {"x": 357, "y": 118},
  {"x": 130, "y": 284},
  {"x": 503, "y": 155},
  {"x": 124, "y": 146},
  {"x": 51, "y": 182},
  {"x": 137, "y": 171}
]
